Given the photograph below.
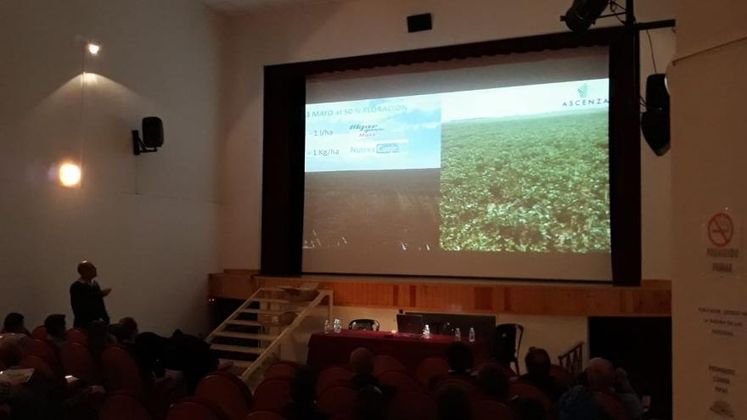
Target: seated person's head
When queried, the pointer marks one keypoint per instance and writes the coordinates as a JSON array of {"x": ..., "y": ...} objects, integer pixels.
[
  {"x": 361, "y": 361},
  {"x": 125, "y": 331},
  {"x": 452, "y": 403},
  {"x": 600, "y": 374},
  {"x": 459, "y": 357},
  {"x": 493, "y": 382},
  {"x": 538, "y": 362},
  {"x": 303, "y": 385},
  {"x": 13, "y": 323},
  {"x": 55, "y": 325}
]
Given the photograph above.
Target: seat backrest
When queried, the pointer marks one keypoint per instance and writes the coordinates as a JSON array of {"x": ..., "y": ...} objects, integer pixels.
[
  {"x": 10, "y": 354},
  {"x": 384, "y": 362},
  {"x": 531, "y": 392},
  {"x": 465, "y": 384},
  {"x": 264, "y": 415},
  {"x": 123, "y": 406},
  {"x": 611, "y": 405},
  {"x": 39, "y": 333},
  {"x": 412, "y": 405},
  {"x": 76, "y": 335},
  {"x": 364, "y": 324},
  {"x": 195, "y": 409},
  {"x": 121, "y": 372},
  {"x": 77, "y": 361},
  {"x": 337, "y": 400},
  {"x": 42, "y": 370},
  {"x": 431, "y": 367},
  {"x": 280, "y": 369},
  {"x": 46, "y": 350},
  {"x": 401, "y": 381},
  {"x": 228, "y": 392},
  {"x": 491, "y": 363},
  {"x": 333, "y": 375},
  {"x": 491, "y": 410},
  {"x": 272, "y": 395}
]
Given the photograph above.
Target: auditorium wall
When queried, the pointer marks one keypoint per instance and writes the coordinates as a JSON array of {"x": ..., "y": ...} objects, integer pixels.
[
  {"x": 709, "y": 292},
  {"x": 149, "y": 223}
]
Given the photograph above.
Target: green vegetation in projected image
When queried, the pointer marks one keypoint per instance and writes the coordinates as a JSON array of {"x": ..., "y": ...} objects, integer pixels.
[{"x": 538, "y": 183}]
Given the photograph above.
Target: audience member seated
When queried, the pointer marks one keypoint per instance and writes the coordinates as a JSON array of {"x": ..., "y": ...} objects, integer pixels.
[
  {"x": 452, "y": 403},
  {"x": 14, "y": 324},
  {"x": 370, "y": 404},
  {"x": 579, "y": 404},
  {"x": 459, "y": 357},
  {"x": 15, "y": 333},
  {"x": 187, "y": 354},
  {"x": 125, "y": 331},
  {"x": 362, "y": 365},
  {"x": 538, "y": 373},
  {"x": 98, "y": 338},
  {"x": 56, "y": 328},
  {"x": 303, "y": 392},
  {"x": 148, "y": 352},
  {"x": 494, "y": 383},
  {"x": 602, "y": 377},
  {"x": 191, "y": 356},
  {"x": 528, "y": 409}
]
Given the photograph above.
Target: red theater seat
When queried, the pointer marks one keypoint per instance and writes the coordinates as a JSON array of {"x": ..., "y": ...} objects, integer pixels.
[
  {"x": 228, "y": 392},
  {"x": 272, "y": 395},
  {"x": 123, "y": 406}
]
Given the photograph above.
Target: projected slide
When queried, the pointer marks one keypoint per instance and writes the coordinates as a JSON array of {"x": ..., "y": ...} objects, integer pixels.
[
  {"x": 469, "y": 179},
  {"x": 525, "y": 169},
  {"x": 376, "y": 134}
]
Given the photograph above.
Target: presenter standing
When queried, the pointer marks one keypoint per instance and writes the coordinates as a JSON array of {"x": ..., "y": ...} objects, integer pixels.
[{"x": 87, "y": 298}]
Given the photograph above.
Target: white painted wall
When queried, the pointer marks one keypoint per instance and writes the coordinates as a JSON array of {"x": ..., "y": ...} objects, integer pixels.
[
  {"x": 150, "y": 223},
  {"x": 356, "y": 27},
  {"x": 708, "y": 173}
]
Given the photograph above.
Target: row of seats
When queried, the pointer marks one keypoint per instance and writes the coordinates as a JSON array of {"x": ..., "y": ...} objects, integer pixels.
[
  {"x": 219, "y": 396},
  {"x": 335, "y": 397}
]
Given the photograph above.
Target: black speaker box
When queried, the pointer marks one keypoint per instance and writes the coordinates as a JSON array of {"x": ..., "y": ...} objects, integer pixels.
[
  {"x": 418, "y": 23},
  {"x": 655, "y": 121},
  {"x": 152, "y": 132}
]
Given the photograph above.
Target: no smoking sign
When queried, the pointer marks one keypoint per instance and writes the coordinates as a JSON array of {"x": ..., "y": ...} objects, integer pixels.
[
  {"x": 721, "y": 229},
  {"x": 723, "y": 245}
]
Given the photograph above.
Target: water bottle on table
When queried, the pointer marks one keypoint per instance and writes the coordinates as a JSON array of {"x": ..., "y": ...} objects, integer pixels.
[
  {"x": 337, "y": 326},
  {"x": 457, "y": 334},
  {"x": 471, "y": 335}
]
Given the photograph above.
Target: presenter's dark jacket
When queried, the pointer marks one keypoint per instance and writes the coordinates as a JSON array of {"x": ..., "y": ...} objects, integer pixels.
[{"x": 88, "y": 303}]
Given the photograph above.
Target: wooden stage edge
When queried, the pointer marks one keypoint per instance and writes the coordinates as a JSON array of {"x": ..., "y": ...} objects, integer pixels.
[{"x": 652, "y": 298}]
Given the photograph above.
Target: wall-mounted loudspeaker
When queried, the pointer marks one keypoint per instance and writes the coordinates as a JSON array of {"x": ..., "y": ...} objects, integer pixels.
[
  {"x": 655, "y": 121},
  {"x": 418, "y": 23},
  {"x": 152, "y": 136}
]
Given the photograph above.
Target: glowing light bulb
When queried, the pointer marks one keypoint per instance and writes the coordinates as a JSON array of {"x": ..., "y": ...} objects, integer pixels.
[
  {"x": 69, "y": 174},
  {"x": 93, "y": 48}
]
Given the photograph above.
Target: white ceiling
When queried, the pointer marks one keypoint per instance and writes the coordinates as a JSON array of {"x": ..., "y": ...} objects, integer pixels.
[{"x": 241, "y": 6}]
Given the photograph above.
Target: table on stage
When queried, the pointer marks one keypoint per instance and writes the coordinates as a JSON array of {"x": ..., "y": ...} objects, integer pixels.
[{"x": 410, "y": 349}]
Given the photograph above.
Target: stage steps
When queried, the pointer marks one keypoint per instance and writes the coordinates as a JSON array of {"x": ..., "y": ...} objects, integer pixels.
[{"x": 252, "y": 334}]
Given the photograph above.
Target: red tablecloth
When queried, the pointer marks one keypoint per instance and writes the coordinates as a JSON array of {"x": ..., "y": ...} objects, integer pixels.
[{"x": 331, "y": 348}]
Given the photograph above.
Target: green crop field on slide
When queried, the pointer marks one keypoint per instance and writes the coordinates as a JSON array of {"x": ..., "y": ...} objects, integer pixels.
[{"x": 526, "y": 184}]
